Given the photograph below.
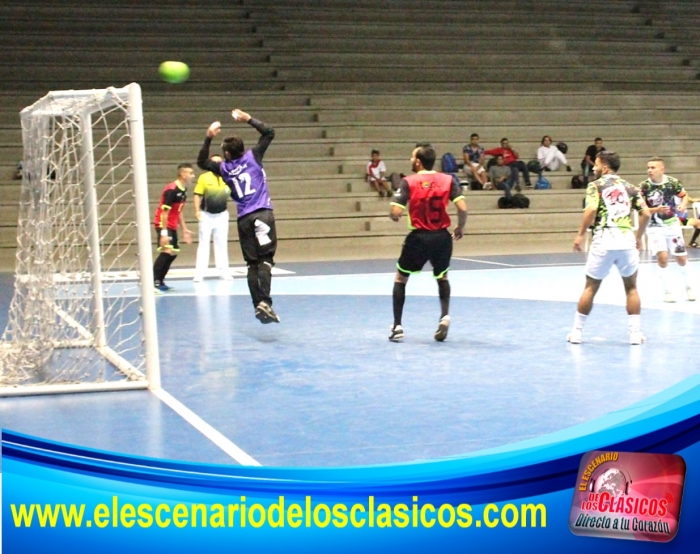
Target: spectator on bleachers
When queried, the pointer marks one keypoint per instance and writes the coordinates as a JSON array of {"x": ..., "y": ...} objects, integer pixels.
[
  {"x": 375, "y": 175},
  {"x": 549, "y": 156},
  {"x": 501, "y": 176},
  {"x": 512, "y": 160},
  {"x": 590, "y": 156},
  {"x": 474, "y": 161}
]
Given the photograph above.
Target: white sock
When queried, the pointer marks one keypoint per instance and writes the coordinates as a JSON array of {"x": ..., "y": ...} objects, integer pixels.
[
  {"x": 684, "y": 273},
  {"x": 579, "y": 321},
  {"x": 663, "y": 275},
  {"x": 634, "y": 323}
]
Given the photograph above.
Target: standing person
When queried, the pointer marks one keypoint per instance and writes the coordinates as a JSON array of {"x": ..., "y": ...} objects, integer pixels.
[
  {"x": 610, "y": 201},
  {"x": 513, "y": 161},
  {"x": 243, "y": 172},
  {"x": 169, "y": 215},
  {"x": 474, "y": 160},
  {"x": 549, "y": 156},
  {"x": 376, "y": 170},
  {"x": 589, "y": 157},
  {"x": 665, "y": 233},
  {"x": 427, "y": 194},
  {"x": 210, "y": 197}
]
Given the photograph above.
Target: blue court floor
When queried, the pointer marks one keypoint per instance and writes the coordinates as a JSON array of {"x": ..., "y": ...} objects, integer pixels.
[{"x": 326, "y": 388}]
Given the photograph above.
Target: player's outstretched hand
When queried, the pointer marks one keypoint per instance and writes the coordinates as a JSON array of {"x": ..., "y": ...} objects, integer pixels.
[
  {"x": 188, "y": 236},
  {"x": 214, "y": 129},
  {"x": 458, "y": 233},
  {"x": 577, "y": 243},
  {"x": 240, "y": 115}
]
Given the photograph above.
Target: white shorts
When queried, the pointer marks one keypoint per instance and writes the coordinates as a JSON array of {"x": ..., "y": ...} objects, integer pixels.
[
  {"x": 468, "y": 170},
  {"x": 666, "y": 239},
  {"x": 600, "y": 261}
]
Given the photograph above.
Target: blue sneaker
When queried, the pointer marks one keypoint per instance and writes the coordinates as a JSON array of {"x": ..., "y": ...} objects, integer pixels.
[{"x": 163, "y": 287}]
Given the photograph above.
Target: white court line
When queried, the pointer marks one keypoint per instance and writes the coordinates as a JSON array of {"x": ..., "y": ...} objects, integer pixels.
[
  {"x": 207, "y": 430},
  {"x": 483, "y": 262}
]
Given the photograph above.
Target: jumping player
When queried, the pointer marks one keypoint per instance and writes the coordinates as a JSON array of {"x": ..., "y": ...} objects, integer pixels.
[
  {"x": 427, "y": 194},
  {"x": 169, "y": 215},
  {"x": 610, "y": 201},
  {"x": 243, "y": 172},
  {"x": 665, "y": 234}
]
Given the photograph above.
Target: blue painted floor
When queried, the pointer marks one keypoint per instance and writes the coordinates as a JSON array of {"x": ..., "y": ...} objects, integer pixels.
[{"x": 326, "y": 387}]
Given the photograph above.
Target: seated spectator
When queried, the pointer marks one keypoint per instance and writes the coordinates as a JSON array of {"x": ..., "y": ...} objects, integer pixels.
[
  {"x": 549, "y": 156},
  {"x": 590, "y": 156},
  {"x": 474, "y": 161},
  {"x": 501, "y": 176},
  {"x": 512, "y": 160},
  {"x": 375, "y": 175}
]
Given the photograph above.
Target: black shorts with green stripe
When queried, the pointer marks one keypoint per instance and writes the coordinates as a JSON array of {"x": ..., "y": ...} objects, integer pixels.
[
  {"x": 173, "y": 245},
  {"x": 423, "y": 246}
]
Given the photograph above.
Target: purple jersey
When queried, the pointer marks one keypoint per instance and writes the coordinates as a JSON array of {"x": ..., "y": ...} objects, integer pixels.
[{"x": 248, "y": 183}]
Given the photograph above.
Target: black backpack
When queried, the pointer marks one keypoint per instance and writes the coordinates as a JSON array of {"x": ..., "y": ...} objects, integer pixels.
[
  {"x": 520, "y": 201},
  {"x": 578, "y": 182},
  {"x": 505, "y": 202},
  {"x": 533, "y": 166},
  {"x": 563, "y": 147}
]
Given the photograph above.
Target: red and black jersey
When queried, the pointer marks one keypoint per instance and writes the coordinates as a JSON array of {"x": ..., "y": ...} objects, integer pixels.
[
  {"x": 428, "y": 195},
  {"x": 173, "y": 201}
]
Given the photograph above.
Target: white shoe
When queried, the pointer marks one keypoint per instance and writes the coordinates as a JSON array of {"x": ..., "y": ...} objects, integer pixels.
[
  {"x": 197, "y": 279},
  {"x": 690, "y": 294},
  {"x": 443, "y": 327},
  {"x": 668, "y": 297},
  {"x": 574, "y": 337},
  {"x": 636, "y": 337}
]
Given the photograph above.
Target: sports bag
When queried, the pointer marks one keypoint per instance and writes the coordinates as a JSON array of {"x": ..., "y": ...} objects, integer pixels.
[
  {"x": 542, "y": 183},
  {"x": 449, "y": 164}
]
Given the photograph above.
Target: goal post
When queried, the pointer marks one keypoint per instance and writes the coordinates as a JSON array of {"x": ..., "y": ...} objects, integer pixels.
[{"x": 82, "y": 316}]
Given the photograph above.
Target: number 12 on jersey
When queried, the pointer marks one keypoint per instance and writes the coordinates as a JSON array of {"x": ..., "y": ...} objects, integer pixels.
[{"x": 243, "y": 180}]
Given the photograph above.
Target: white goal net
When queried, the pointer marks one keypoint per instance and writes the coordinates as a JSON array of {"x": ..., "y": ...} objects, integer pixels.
[{"x": 82, "y": 316}]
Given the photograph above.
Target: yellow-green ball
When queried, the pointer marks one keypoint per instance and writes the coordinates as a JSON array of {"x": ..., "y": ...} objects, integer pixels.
[{"x": 174, "y": 72}]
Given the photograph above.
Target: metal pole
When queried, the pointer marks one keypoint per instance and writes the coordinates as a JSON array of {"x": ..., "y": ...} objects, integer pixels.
[{"x": 143, "y": 224}]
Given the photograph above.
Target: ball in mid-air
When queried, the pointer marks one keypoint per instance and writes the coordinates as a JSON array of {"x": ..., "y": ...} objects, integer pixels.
[{"x": 174, "y": 72}]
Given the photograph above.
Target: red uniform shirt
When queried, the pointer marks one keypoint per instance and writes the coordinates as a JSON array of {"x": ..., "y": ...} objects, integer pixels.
[
  {"x": 174, "y": 198},
  {"x": 428, "y": 195}
]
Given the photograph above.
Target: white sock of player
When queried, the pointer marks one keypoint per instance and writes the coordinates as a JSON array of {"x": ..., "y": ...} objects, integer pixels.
[
  {"x": 684, "y": 273},
  {"x": 579, "y": 321},
  {"x": 634, "y": 323},
  {"x": 663, "y": 275}
]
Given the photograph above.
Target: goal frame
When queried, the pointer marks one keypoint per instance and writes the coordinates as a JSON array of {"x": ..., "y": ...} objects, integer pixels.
[{"x": 101, "y": 99}]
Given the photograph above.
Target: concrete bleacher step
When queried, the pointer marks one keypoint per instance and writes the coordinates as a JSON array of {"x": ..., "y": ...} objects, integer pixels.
[
  {"x": 437, "y": 45},
  {"x": 464, "y": 62},
  {"x": 572, "y": 74}
]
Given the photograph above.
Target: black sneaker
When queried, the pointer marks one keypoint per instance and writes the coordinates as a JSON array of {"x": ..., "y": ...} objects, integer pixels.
[
  {"x": 396, "y": 333},
  {"x": 568, "y": 168},
  {"x": 266, "y": 314},
  {"x": 443, "y": 327}
]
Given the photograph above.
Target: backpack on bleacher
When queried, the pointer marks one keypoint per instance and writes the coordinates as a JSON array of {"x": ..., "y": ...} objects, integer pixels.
[
  {"x": 505, "y": 202},
  {"x": 578, "y": 182},
  {"x": 449, "y": 164},
  {"x": 542, "y": 183},
  {"x": 521, "y": 201}
]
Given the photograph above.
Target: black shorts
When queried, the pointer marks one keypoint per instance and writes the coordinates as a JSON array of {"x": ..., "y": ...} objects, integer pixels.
[
  {"x": 258, "y": 242},
  {"x": 173, "y": 245},
  {"x": 426, "y": 246}
]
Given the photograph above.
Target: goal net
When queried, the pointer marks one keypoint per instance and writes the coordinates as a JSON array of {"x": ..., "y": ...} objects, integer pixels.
[{"x": 82, "y": 317}]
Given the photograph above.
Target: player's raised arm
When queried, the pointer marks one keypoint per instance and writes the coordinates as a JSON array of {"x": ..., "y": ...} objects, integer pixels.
[
  {"x": 203, "y": 160},
  {"x": 267, "y": 134}
]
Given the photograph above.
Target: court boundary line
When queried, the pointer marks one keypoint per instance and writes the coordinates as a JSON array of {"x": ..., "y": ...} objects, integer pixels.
[{"x": 223, "y": 442}]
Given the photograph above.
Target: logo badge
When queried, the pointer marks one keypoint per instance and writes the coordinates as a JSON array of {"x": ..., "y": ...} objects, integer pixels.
[{"x": 628, "y": 495}]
